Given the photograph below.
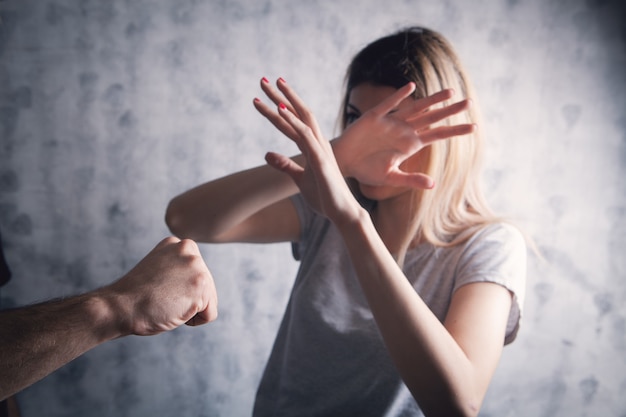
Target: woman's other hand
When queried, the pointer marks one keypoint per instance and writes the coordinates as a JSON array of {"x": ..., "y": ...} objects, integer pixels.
[
  {"x": 374, "y": 147},
  {"x": 319, "y": 179}
]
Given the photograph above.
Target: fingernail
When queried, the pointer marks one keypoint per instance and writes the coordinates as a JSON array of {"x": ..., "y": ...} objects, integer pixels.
[
  {"x": 282, "y": 106},
  {"x": 282, "y": 80},
  {"x": 265, "y": 80},
  {"x": 257, "y": 100}
]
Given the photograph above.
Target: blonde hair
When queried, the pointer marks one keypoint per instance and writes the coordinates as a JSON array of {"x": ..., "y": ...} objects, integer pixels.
[{"x": 455, "y": 208}]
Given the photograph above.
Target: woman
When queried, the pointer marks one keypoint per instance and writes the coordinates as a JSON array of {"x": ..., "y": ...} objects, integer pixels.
[{"x": 408, "y": 286}]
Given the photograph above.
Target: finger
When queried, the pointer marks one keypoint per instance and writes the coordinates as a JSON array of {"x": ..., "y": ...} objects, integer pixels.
[
  {"x": 273, "y": 117},
  {"x": 273, "y": 94},
  {"x": 311, "y": 145},
  {"x": 207, "y": 315},
  {"x": 446, "y": 132},
  {"x": 430, "y": 117},
  {"x": 304, "y": 133},
  {"x": 394, "y": 100},
  {"x": 166, "y": 242},
  {"x": 284, "y": 164},
  {"x": 208, "y": 311},
  {"x": 199, "y": 318},
  {"x": 398, "y": 178},
  {"x": 423, "y": 104},
  {"x": 298, "y": 106}
]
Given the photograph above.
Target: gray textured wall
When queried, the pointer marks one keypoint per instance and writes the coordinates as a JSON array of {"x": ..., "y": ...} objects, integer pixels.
[{"x": 109, "y": 108}]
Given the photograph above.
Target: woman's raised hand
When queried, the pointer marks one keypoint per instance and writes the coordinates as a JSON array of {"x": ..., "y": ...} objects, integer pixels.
[
  {"x": 285, "y": 96},
  {"x": 373, "y": 148},
  {"x": 320, "y": 181}
]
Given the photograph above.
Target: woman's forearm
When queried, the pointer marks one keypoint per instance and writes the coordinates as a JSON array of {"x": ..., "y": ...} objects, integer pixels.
[
  {"x": 207, "y": 212},
  {"x": 211, "y": 211},
  {"x": 431, "y": 363}
]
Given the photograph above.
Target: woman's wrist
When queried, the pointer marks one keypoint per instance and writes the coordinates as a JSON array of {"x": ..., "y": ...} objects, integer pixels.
[
  {"x": 341, "y": 155},
  {"x": 356, "y": 216}
]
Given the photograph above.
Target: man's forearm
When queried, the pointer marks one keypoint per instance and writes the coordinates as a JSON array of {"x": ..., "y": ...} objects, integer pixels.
[{"x": 37, "y": 340}]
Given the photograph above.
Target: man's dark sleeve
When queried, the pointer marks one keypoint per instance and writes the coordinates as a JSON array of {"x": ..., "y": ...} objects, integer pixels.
[{"x": 5, "y": 272}]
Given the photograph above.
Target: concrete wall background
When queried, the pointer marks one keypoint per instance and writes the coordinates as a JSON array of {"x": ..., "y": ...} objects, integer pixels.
[{"x": 110, "y": 108}]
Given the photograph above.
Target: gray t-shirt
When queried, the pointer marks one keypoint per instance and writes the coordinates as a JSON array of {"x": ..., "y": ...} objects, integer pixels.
[{"x": 329, "y": 359}]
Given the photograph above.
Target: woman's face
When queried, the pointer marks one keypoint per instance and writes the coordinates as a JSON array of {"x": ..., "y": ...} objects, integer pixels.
[{"x": 362, "y": 98}]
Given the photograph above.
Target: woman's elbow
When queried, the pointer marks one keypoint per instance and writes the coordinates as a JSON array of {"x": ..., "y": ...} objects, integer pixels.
[
  {"x": 450, "y": 405},
  {"x": 467, "y": 410},
  {"x": 175, "y": 221}
]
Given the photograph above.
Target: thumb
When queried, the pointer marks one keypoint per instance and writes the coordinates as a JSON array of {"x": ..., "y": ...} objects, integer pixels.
[
  {"x": 398, "y": 178},
  {"x": 284, "y": 164}
]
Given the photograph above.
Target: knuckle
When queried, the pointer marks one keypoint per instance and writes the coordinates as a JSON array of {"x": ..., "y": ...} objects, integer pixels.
[
  {"x": 188, "y": 246},
  {"x": 306, "y": 130},
  {"x": 198, "y": 280},
  {"x": 305, "y": 113},
  {"x": 199, "y": 283},
  {"x": 169, "y": 240}
]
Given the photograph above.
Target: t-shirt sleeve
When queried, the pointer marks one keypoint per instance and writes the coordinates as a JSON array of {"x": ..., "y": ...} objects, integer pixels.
[{"x": 497, "y": 254}]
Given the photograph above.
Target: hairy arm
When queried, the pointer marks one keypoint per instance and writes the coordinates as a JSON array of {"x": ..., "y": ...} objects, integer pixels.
[
  {"x": 39, "y": 339},
  {"x": 169, "y": 287}
]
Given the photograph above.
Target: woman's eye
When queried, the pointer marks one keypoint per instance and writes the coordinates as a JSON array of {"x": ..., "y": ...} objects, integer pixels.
[{"x": 351, "y": 117}]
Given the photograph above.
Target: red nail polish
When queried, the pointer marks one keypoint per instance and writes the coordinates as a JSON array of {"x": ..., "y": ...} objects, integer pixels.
[
  {"x": 265, "y": 80},
  {"x": 257, "y": 100},
  {"x": 282, "y": 106},
  {"x": 282, "y": 80}
]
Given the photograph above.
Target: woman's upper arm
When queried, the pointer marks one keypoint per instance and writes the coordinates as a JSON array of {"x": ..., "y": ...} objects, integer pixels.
[
  {"x": 278, "y": 222},
  {"x": 477, "y": 320}
]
